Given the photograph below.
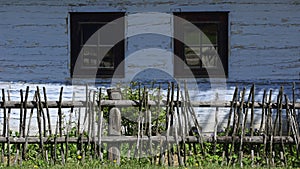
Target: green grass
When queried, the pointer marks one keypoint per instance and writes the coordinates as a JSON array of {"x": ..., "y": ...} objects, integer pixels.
[{"x": 133, "y": 164}]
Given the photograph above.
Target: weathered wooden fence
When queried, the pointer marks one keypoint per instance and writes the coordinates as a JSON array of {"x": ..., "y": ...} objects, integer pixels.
[{"x": 171, "y": 139}]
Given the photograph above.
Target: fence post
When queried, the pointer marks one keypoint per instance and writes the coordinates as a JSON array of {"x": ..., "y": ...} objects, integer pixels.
[{"x": 114, "y": 126}]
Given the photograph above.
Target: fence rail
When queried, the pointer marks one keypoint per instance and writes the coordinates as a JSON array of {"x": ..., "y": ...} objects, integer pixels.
[
  {"x": 171, "y": 139},
  {"x": 135, "y": 103}
]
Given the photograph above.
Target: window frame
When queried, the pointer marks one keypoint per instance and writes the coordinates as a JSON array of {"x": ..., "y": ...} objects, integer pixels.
[
  {"x": 221, "y": 18},
  {"x": 77, "y": 18}
]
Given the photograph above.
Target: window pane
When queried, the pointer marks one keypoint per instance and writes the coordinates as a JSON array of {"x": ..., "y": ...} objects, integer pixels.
[
  {"x": 86, "y": 61},
  {"x": 209, "y": 33},
  {"x": 108, "y": 60},
  {"x": 90, "y": 55},
  {"x": 209, "y": 57},
  {"x": 192, "y": 56},
  {"x": 90, "y": 51},
  {"x": 191, "y": 35},
  {"x": 89, "y": 34},
  {"x": 106, "y": 38},
  {"x": 192, "y": 50}
]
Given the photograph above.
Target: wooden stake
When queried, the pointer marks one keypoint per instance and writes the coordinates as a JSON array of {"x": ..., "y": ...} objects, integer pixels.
[
  {"x": 28, "y": 129},
  {"x": 8, "y": 131},
  {"x": 261, "y": 128},
  {"x": 184, "y": 125},
  {"x": 90, "y": 114},
  {"x": 24, "y": 121},
  {"x": 296, "y": 119},
  {"x": 47, "y": 111},
  {"x": 294, "y": 128},
  {"x": 49, "y": 123},
  {"x": 216, "y": 125},
  {"x": 270, "y": 127},
  {"x": 252, "y": 109},
  {"x": 93, "y": 125},
  {"x": 169, "y": 122},
  {"x": 235, "y": 127},
  {"x": 241, "y": 111},
  {"x": 55, "y": 139},
  {"x": 178, "y": 121},
  {"x": 69, "y": 127},
  {"x": 158, "y": 109},
  {"x": 43, "y": 116},
  {"x": 194, "y": 117},
  {"x": 100, "y": 116},
  {"x": 280, "y": 127},
  {"x": 39, "y": 121},
  {"x": 148, "y": 112},
  {"x": 275, "y": 131},
  {"x": 20, "y": 130},
  {"x": 4, "y": 126},
  {"x": 60, "y": 124},
  {"x": 225, "y": 147},
  {"x": 252, "y": 121},
  {"x": 25, "y": 111}
]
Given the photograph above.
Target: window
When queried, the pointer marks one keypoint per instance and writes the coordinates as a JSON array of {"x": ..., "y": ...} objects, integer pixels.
[
  {"x": 97, "y": 44},
  {"x": 201, "y": 43}
]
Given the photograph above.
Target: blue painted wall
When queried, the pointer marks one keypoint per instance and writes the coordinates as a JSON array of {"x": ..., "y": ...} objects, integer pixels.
[{"x": 264, "y": 37}]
